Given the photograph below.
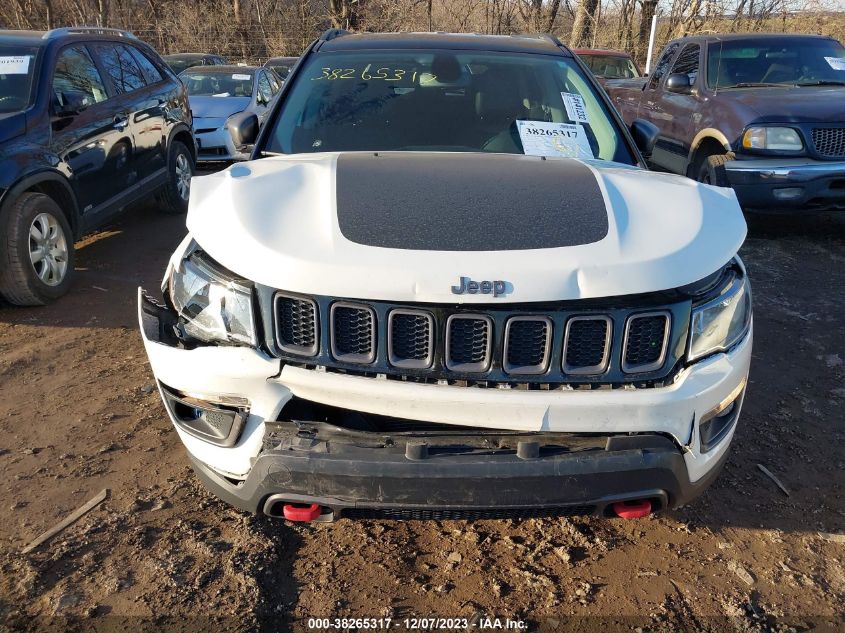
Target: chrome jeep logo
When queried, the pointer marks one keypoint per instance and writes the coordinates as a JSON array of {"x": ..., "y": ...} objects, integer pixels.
[{"x": 468, "y": 286}]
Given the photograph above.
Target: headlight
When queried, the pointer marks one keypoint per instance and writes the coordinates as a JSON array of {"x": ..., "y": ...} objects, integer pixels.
[
  {"x": 721, "y": 322},
  {"x": 773, "y": 138},
  {"x": 214, "y": 307}
]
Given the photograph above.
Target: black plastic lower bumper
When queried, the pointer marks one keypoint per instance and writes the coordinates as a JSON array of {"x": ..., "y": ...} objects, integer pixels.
[{"x": 360, "y": 477}]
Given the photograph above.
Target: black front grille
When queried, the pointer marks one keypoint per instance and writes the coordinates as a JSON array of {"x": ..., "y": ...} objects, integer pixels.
[
  {"x": 468, "y": 343},
  {"x": 550, "y": 345},
  {"x": 645, "y": 341},
  {"x": 467, "y": 514},
  {"x": 587, "y": 345},
  {"x": 829, "y": 141},
  {"x": 296, "y": 324},
  {"x": 527, "y": 345},
  {"x": 411, "y": 338},
  {"x": 353, "y": 333}
]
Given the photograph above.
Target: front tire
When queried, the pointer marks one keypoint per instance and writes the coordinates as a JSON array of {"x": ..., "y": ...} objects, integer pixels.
[
  {"x": 36, "y": 264},
  {"x": 174, "y": 196},
  {"x": 712, "y": 169}
]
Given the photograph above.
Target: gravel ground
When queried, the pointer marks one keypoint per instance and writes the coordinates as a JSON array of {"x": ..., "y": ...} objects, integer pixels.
[{"x": 79, "y": 413}]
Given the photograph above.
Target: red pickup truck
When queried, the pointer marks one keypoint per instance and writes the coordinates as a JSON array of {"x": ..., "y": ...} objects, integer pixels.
[{"x": 764, "y": 114}]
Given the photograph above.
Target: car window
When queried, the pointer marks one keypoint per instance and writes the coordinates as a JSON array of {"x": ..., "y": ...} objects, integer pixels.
[
  {"x": 76, "y": 80},
  {"x": 17, "y": 71},
  {"x": 121, "y": 67},
  {"x": 787, "y": 61},
  {"x": 214, "y": 83},
  {"x": 611, "y": 66},
  {"x": 662, "y": 65},
  {"x": 264, "y": 87},
  {"x": 151, "y": 73},
  {"x": 445, "y": 101},
  {"x": 275, "y": 86},
  {"x": 687, "y": 62}
]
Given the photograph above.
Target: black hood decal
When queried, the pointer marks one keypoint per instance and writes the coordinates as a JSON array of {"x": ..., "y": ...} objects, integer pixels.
[{"x": 467, "y": 202}]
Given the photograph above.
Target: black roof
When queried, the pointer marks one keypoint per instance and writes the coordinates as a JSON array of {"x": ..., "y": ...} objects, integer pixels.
[
  {"x": 337, "y": 41},
  {"x": 728, "y": 37},
  {"x": 189, "y": 55},
  {"x": 41, "y": 38},
  {"x": 224, "y": 69}
]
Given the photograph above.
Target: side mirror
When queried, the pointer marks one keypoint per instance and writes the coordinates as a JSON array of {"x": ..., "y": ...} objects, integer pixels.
[
  {"x": 645, "y": 136},
  {"x": 243, "y": 128},
  {"x": 678, "y": 83}
]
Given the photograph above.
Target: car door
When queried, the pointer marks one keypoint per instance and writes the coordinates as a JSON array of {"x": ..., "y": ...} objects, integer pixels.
[
  {"x": 83, "y": 133},
  {"x": 682, "y": 111},
  {"x": 651, "y": 105},
  {"x": 151, "y": 117}
]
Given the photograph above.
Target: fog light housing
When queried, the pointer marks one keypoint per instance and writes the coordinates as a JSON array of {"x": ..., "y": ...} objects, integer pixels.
[
  {"x": 715, "y": 425},
  {"x": 216, "y": 422}
]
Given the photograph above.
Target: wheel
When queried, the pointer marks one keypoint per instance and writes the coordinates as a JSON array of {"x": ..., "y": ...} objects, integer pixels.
[
  {"x": 712, "y": 169},
  {"x": 174, "y": 195},
  {"x": 36, "y": 264}
]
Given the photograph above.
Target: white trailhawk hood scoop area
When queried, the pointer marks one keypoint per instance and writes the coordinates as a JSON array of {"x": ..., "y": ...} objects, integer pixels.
[{"x": 407, "y": 226}]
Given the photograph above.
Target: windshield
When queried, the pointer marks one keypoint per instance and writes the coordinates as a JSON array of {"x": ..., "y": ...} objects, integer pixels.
[
  {"x": 775, "y": 61},
  {"x": 178, "y": 65},
  {"x": 17, "y": 64},
  {"x": 611, "y": 66},
  {"x": 282, "y": 68},
  {"x": 216, "y": 84},
  {"x": 446, "y": 101}
]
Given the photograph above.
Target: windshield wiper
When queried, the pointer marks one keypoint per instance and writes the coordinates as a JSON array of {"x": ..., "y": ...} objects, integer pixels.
[
  {"x": 755, "y": 84},
  {"x": 268, "y": 153},
  {"x": 822, "y": 82}
]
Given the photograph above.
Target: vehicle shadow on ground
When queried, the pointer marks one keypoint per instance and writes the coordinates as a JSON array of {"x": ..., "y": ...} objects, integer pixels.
[{"x": 110, "y": 265}]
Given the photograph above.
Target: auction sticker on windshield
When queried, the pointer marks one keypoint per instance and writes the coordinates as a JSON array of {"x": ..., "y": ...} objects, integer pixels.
[
  {"x": 241, "y": 77},
  {"x": 575, "y": 108},
  {"x": 17, "y": 65},
  {"x": 541, "y": 138}
]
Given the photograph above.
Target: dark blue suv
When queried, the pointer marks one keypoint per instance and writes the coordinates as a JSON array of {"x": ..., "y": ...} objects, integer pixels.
[{"x": 91, "y": 120}]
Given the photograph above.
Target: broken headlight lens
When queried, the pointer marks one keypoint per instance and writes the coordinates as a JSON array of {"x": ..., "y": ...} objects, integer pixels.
[
  {"x": 214, "y": 306},
  {"x": 721, "y": 322}
]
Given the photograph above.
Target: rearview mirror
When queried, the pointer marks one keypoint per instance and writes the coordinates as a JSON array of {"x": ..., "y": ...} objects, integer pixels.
[
  {"x": 243, "y": 128},
  {"x": 645, "y": 136},
  {"x": 679, "y": 83}
]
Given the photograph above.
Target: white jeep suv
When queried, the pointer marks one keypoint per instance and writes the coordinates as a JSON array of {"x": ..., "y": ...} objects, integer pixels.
[{"x": 447, "y": 286}]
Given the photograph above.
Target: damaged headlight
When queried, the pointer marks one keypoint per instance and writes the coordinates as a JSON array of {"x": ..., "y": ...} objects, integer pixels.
[
  {"x": 214, "y": 306},
  {"x": 721, "y": 322}
]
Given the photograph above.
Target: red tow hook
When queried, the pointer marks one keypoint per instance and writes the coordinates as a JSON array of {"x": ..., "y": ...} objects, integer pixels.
[
  {"x": 299, "y": 512},
  {"x": 635, "y": 509}
]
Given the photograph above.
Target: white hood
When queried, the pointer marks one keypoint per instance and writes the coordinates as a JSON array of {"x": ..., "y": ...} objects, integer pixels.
[{"x": 275, "y": 221}]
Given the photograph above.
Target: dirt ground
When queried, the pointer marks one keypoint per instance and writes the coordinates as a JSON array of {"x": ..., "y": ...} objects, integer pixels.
[{"x": 78, "y": 413}]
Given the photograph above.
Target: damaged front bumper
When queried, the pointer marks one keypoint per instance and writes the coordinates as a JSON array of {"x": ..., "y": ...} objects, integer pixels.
[{"x": 484, "y": 452}]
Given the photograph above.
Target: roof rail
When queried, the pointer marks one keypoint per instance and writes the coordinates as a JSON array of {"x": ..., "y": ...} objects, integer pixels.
[
  {"x": 89, "y": 30},
  {"x": 331, "y": 34}
]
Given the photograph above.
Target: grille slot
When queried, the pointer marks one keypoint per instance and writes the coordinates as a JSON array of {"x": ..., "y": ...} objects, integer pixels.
[
  {"x": 646, "y": 339},
  {"x": 469, "y": 342},
  {"x": 296, "y": 324},
  {"x": 353, "y": 333},
  {"x": 829, "y": 141},
  {"x": 586, "y": 345},
  {"x": 410, "y": 339},
  {"x": 527, "y": 345}
]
